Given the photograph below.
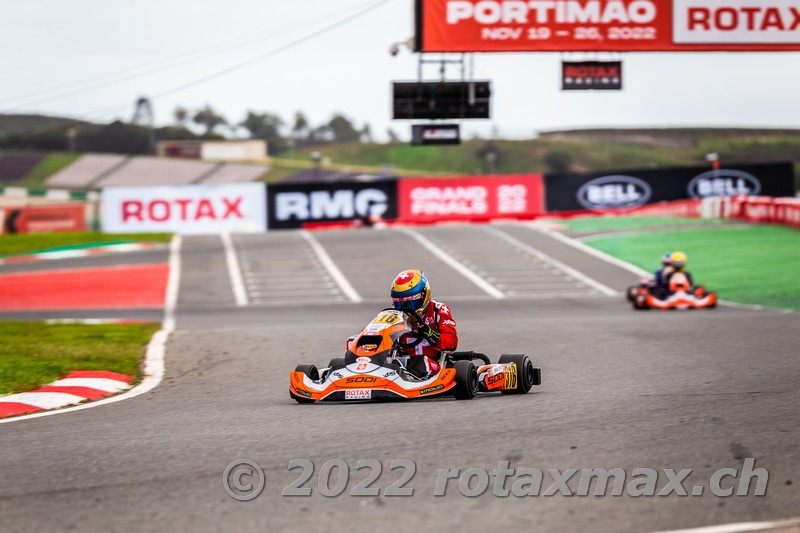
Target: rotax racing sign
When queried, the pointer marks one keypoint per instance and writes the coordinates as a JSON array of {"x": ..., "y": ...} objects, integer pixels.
[
  {"x": 186, "y": 209},
  {"x": 612, "y": 25}
]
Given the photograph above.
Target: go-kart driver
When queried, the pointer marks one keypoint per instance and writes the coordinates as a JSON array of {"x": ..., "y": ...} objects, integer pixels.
[
  {"x": 678, "y": 262},
  {"x": 660, "y": 276},
  {"x": 412, "y": 292}
]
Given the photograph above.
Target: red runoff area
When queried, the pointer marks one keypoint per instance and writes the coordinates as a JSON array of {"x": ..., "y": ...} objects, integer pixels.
[{"x": 127, "y": 286}]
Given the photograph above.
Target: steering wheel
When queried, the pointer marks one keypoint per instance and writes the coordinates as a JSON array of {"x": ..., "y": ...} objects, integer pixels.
[{"x": 418, "y": 337}]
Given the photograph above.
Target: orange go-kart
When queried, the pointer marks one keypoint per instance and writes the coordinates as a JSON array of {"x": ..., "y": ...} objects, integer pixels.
[
  {"x": 373, "y": 368},
  {"x": 680, "y": 295}
]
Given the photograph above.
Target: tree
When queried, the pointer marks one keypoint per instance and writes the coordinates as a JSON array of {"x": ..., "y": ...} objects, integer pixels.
[
  {"x": 209, "y": 119},
  {"x": 266, "y": 126},
  {"x": 366, "y": 134},
  {"x": 342, "y": 129},
  {"x": 181, "y": 115},
  {"x": 301, "y": 129}
]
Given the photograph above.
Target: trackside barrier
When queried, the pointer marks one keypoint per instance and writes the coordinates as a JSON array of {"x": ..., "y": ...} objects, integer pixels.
[{"x": 754, "y": 209}]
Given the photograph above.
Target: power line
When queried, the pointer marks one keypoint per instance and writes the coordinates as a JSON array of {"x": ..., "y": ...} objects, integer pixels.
[
  {"x": 179, "y": 59},
  {"x": 325, "y": 29}
]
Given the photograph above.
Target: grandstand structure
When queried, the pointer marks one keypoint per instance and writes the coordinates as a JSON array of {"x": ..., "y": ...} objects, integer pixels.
[
  {"x": 14, "y": 167},
  {"x": 95, "y": 171}
]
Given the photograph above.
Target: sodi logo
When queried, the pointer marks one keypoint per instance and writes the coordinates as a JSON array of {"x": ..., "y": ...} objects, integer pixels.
[
  {"x": 724, "y": 182},
  {"x": 616, "y": 191}
]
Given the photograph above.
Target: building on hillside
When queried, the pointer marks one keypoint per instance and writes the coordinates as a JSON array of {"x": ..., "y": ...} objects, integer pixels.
[{"x": 214, "y": 150}]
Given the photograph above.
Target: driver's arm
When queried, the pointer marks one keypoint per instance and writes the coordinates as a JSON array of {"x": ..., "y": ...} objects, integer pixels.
[{"x": 448, "y": 336}]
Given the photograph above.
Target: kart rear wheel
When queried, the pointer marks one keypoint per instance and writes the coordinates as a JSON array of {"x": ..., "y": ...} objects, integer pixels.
[
  {"x": 466, "y": 380},
  {"x": 527, "y": 374},
  {"x": 310, "y": 371}
]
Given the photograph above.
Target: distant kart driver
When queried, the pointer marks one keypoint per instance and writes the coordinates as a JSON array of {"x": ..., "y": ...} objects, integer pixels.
[
  {"x": 412, "y": 292},
  {"x": 678, "y": 262},
  {"x": 661, "y": 275}
]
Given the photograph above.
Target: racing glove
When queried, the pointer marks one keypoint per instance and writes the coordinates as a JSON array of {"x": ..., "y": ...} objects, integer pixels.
[{"x": 431, "y": 335}]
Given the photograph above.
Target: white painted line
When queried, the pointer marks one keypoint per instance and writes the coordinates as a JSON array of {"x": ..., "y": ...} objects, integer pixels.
[
  {"x": 484, "y": 285},
  {"x": 331, "y": 267},
  {"x": 580, "y": 276},
  {"x": 154, "y": 358},
  {"x": 740, "y": 527},
  {"x": 234, "y": 270}
]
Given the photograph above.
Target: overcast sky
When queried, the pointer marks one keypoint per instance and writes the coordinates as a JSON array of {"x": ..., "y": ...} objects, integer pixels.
[{"x": 49, "y": 44}]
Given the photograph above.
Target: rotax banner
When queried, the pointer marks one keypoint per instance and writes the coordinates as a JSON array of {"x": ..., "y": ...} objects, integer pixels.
[
  {"x": 470, "y": 198},
  {"x": 186, "y": 209},
  {"x": 607, "y": 25}
]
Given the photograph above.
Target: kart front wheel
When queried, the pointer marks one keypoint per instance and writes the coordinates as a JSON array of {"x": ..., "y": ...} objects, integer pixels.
[
  {"x": 466, "y": 380},
  {"x": 336, "y": 361},
  {"x": 310, "y": 371},
  {"x": 527, "y": 374}
]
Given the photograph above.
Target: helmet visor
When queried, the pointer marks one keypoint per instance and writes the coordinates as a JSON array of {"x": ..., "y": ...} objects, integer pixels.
[{"x": 409, "y": 303}]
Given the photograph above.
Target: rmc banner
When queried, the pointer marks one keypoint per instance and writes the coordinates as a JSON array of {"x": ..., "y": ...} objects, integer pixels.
[
  {"x": 629, "y": 189},
  {"x": 186, "y": 209},
  {"x": 607, "y": 25},
  {"x": 293, "y": 205}
]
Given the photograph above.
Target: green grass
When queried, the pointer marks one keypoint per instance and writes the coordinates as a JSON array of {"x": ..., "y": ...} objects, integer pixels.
[
  {"x": 749, "y": 264},
  {"x": 610, "y": 223},
  {"x": 52, "y": 163},
  {"x": 33, "y": 354},
  {"x": 40, "y": 242}
]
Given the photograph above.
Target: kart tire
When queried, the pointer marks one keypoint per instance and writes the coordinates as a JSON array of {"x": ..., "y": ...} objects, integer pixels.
[
  {"x": 466, "y": 380},
  {"x": 310, "y": 371},
  {"x": 527, "y": 374},
  {"x": 336, "y": 361},
  {"x": 631, "y": 293}
]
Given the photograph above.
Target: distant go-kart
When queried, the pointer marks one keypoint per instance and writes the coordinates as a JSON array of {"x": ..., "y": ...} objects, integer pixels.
[
  {"x": 680, "y": 295},
  {"x": 374, "y": 368}
]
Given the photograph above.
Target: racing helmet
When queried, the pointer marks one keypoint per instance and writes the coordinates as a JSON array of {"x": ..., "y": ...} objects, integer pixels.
[
  {"x": 666, "y": 259},
  {"x": 411, "y": 291},
  {"x": 679, "y": 260}
]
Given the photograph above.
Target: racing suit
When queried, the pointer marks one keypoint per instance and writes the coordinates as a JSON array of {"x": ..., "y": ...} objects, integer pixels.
[
  {"x": 661, "y": 279},
  {"x": 424, "y": 358}
]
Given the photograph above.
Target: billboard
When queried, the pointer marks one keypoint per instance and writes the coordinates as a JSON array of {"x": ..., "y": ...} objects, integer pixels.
[
  {"x": 435, "y": 134},
  {"x": 293, "y": 205},
  {"x": 607, "y": 25},
  {"x": 591, "y": 75},
  {"x": 185, "y": 209},
  {"x": 629, "y": 189},
  {"x": 44, "y": 218},
  {"x": 470, "y": 198},
  {"x": 431, "y": 100}
]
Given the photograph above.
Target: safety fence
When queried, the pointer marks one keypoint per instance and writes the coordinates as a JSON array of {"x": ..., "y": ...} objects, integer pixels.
[{"x": 750, "y": 192}]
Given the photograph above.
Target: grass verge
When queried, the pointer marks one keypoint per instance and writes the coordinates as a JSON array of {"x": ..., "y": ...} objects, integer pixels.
[
  {"x": 34, "y": 354},
  {"x": 749, "y": 264},
  {"x": 42, "y": 242}
]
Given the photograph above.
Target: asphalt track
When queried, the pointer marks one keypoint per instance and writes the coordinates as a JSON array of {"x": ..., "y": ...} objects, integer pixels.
[{"x": 698, "y": 390}]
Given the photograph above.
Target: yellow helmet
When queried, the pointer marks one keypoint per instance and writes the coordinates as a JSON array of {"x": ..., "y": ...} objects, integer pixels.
[{"x": 679, "y": 260}]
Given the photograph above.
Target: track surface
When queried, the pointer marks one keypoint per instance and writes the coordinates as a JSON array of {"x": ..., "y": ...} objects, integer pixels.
[{"x": 676, "y": 390}]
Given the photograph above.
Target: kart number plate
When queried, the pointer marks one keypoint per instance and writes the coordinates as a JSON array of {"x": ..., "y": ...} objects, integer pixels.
[{"x": 358, "y": 394}]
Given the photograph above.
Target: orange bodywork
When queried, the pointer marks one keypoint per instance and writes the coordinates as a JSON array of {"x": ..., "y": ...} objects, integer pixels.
[
  {"x": 444, "y": 382},
  {"x": 499, "y": 377}
]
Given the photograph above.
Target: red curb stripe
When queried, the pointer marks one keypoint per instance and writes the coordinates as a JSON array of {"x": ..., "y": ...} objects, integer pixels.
[
  {"x": 83, "y": 392},
  {"x": 16, "y": 408},
  {"x": 98, "y": 374}
]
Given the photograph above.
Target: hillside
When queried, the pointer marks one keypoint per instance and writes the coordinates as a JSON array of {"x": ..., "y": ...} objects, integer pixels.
[{"x": 572, "y": 151}]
